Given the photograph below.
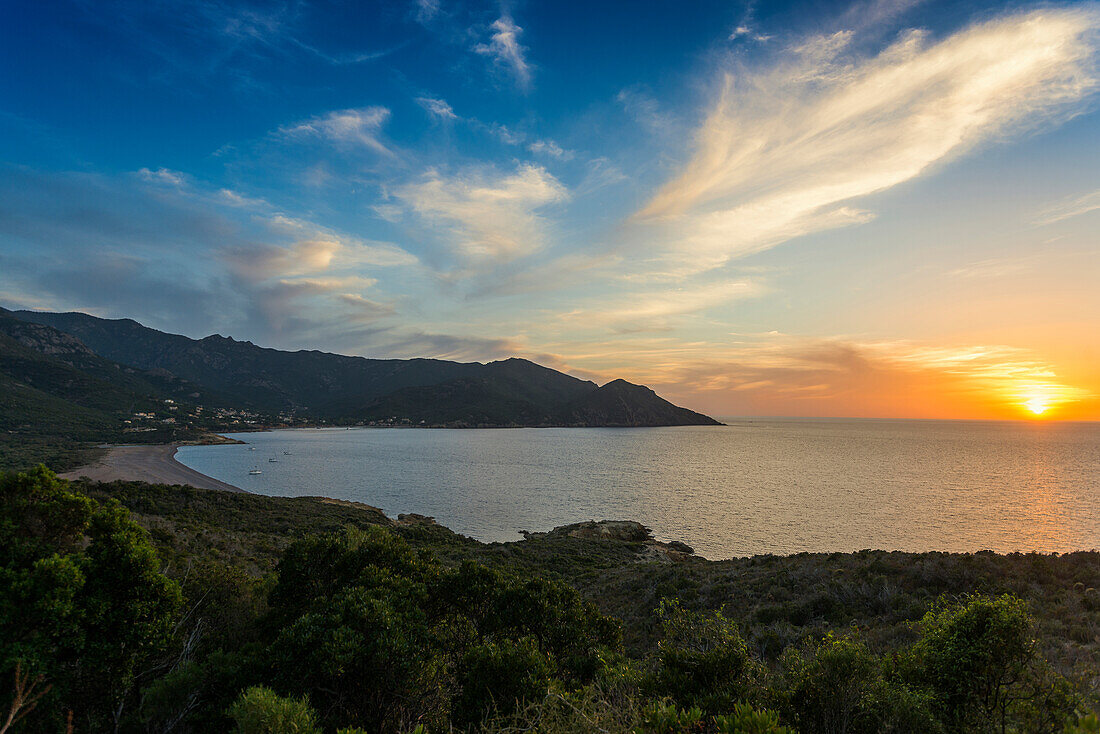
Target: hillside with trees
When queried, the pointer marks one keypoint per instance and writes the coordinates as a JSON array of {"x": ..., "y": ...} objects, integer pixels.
[
  {"x": 134, "y": 607},
  {"x": 320, "y": 386}
]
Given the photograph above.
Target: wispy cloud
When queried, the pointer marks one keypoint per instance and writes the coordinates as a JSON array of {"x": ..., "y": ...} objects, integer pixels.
[
  {"x": 1068, "y": 208},
  {"x": 652, "y": 310},
  {"x": 646, "y": 111},
  {"x": 505, "y": 49},
  {"x": 995, "y": 267},
  {"x": 163, "y": 176},
  {"x": 274, "y": 30},
  {"x": 437, "y": 108},
  {"x": 426, "y": 10},
  {"x": 485, "y": 215},
  {"x": 744, "y": 31},
  {"x": 346, "y": 127},
  {"x": 309, "y": 249},
  {"x": 350, "y": 57},
  {"x": 551, "y": 149},
  {"x": 599, "y": 173},
  {"x": 449, "y": 346},
  {"x": 783, "y": 151}
]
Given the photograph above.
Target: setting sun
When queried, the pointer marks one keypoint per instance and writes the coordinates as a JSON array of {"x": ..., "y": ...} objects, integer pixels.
[{"x": 1036, "y": 405}]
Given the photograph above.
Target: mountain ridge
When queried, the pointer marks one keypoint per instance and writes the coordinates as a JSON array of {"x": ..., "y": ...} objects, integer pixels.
[{"x": 326, "y": 387}]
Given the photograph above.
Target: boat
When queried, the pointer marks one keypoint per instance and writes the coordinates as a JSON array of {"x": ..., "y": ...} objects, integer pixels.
[
  {"x": 254, "y": 471},
  {"x": 286, "y": 453},
  {"x": 251, "y": 448},
  {"x": 272, "y": 460}
]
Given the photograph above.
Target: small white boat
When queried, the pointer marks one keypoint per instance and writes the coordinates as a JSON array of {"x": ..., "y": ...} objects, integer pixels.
[
  {"x": 251, "y": 448},
  {"x": 254, "y": 471}
]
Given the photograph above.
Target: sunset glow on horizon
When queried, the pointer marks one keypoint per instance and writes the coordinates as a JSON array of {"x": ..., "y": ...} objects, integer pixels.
[
  {"x": 1038, "y": 406},
  {"x": 869, "y": 209}
]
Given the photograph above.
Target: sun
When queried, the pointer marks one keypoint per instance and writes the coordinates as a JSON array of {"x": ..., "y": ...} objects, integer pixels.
[{"x": 1037, "y": 405}]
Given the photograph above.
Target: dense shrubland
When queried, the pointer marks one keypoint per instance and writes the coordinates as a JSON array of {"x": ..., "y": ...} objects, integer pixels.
[{"x": 253, "y": 614}]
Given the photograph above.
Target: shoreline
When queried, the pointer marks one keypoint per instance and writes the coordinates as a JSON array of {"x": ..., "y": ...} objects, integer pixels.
[{"x": 155, "y": 464}]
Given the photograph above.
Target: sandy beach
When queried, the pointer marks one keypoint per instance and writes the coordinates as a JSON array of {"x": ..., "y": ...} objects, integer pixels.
[{"x": 155, "y": 464}]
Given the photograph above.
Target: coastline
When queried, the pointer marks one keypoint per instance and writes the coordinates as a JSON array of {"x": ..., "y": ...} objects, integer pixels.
[{"x": 155, "y": 464}]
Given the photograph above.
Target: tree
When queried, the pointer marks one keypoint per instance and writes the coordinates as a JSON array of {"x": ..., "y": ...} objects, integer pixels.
[
  {"x": 83, "y": 604},
  {"x": 980, "y": 660},
  {"x": 382, "y": 638}
]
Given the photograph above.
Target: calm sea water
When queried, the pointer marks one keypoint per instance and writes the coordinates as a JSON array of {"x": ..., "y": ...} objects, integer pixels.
[{"x": 761, "y": 486}]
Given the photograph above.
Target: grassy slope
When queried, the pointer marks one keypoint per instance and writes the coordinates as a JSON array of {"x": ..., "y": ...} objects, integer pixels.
[{"x": 777, "y": 600}]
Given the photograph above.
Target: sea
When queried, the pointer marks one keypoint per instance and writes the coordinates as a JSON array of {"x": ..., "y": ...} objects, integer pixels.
[{"x": 753, "y": 486}]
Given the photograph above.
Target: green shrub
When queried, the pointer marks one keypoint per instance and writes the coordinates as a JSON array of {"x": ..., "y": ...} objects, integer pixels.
[
  {"x": 259, "y": 710},
  {"x": 1086, "y": 724},
  {"x": 666, "y": 718},
  {"x": 839, "y": 686},
  {"x": 980, "y": 661},
  {"x": 496, "y": 677},
  {"x": 747, "y": 720},
  {"x": 702, "y": 661}
]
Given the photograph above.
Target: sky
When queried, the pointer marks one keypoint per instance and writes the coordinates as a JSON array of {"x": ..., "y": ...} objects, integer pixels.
[{"x": 887, "y": 208}]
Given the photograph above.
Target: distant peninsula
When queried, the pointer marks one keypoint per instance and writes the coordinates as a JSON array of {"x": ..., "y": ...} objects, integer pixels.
[{"x": 81, "y": 378}]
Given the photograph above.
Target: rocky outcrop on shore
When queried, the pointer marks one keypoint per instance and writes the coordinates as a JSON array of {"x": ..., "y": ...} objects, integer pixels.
[{"x": 627, "y": 531}]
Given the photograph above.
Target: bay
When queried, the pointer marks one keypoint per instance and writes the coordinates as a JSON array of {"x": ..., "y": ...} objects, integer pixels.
[{"x": 753, "y": 486}]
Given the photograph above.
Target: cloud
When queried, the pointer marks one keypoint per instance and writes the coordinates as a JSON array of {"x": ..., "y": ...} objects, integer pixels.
[
  {"x": 437, "y": 108},
  {"x": 600, "y": 173},
  {"x": 354, "y": 57},
  {"x": 505, "y": 49},
  {"x": 995, "y": 267},
  {"x": 365, "y": 306},
  {"x": 1069, "y": 208},
  {"x": 783, "y": 151},
  {"x": 163, "y": 176},
  {"x": 486, "y": 215},
  {"x": 285, "y": 294},
  {"x": 346, "y": 127},
  {"x": 352, "y": 250},
  {"x": 644, "y": 109},
  {"x": 652, "y": 311},
  {"x": 157, "y": 246},
  {"x": 426, "y": 10},
  {"x": 550, "y": 148},
  {"x": 236, "y": 199},
  {"x": 447, "y": 346},
  {"x": 744, "y": 31},
  {"x": 504, "y": 133},
  {"x": 784, "y": 374}
]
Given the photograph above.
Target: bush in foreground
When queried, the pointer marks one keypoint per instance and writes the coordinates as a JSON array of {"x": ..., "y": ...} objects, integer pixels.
[{"x": 260, "y": 710}]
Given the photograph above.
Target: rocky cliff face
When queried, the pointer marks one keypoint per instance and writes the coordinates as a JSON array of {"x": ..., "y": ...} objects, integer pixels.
[{"x": 46, "y": 340}]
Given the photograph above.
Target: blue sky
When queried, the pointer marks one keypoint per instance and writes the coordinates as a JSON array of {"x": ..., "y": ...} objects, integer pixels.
[{"x": 875, "y": 208}]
